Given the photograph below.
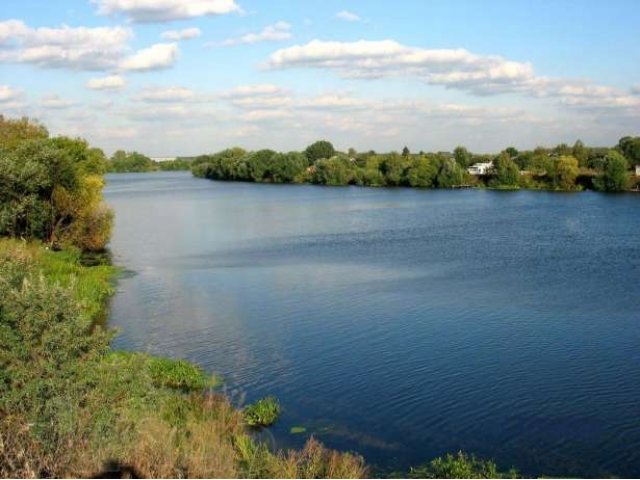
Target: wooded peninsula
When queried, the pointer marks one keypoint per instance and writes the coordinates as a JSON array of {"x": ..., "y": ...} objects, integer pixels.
[{"x": 564, "y": 167}]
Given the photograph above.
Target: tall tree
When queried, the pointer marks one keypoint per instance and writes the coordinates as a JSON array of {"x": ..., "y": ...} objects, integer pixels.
[
  {"x": 318, "y": 150},
  {"x": 505, "y": 172},
  {"x": 462, "y": 156},
  {"x": 615, "y": 177}
]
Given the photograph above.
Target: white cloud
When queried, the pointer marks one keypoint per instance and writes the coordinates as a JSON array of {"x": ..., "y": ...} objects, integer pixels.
[
  {"x": 111, "y": 82},
  {"x": 266, "y": 115},
  {"x": 184, "y": 34},
  {"x": 156, "y": 57},
  {"x": 257, "y": 96},
  {"x": 635, "y": 89},
  {"x": 452, "y": 68},
  {"x": 9, "y": 94},
  {"x": 80, "y": 48},
  {"x": 165, "y": 94},
  {"x": 348, "y": 16},
  {"x": 271, "y": 33},
  {"x": 253, "y": 90},
  {"x": 455, "y": 68},
  {"x": 54, "y": 102},
  {"x": 335, "y": 101},
  {"x": 142, "y": 11}
]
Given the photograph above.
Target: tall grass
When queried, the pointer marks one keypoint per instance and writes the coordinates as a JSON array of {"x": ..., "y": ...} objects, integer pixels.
[{"x": 70, "y": 406}]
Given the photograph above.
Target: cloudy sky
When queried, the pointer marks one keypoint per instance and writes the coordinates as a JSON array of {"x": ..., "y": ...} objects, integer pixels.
[{"x": 182, "y": 77}]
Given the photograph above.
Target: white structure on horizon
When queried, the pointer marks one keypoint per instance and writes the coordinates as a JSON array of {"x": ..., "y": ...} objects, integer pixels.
[
  {"x": 163, "y": 159},
  {"x": 638, "y": 170},
  {"x": 480, "y": 168}
]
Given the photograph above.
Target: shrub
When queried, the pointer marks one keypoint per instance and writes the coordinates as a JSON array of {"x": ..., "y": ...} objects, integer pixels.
[
  {"x": 178, "y": 374},
  {"x": 262, "y": 413},
  {"x": 460, "y": 465}
]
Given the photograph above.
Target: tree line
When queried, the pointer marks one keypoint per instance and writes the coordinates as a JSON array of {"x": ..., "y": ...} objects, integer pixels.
[
  {"x": 562, "y": 167},
  {"x": 132, "y": 162}
]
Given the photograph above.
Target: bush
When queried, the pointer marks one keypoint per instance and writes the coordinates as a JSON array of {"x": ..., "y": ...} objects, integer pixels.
[
  {"x": 262, "y": 413},
  {"x": 178, "y": 374},
  {"x": 460, "y": 465}
]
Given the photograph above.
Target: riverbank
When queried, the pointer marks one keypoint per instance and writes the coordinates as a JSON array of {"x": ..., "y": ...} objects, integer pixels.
[{"x": 71, "y": 406}]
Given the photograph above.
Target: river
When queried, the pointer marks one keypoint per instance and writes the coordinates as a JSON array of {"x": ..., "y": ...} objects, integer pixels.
[{"x": 398, "y": 323}]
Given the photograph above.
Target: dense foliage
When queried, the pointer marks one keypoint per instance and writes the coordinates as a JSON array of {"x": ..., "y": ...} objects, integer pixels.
[
  {"x": 51, "y": 188},
  {"x": 132, "y": 162},
  {"x": 559, "y": 168}
]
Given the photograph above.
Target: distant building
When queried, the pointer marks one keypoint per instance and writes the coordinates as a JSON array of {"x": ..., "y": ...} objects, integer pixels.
[
  {"x": 480, "y": 168},
  {"x": 163, "y": 159},
  {"x": 637, "y": 170}
]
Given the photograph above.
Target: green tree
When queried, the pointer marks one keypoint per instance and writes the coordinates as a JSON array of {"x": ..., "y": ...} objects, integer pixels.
[
  {"x": 505, "y": 172},
  {"x": 512, "y": 152},
  {"x": 630, "y": 148},
  {"x": 421, "y": 172},
  {"x": 392, "y": 167},
  {"x": 405, "y": 151},
  {"x": 285, "y": 167},
  {"x": 334, "y": 171},
  {"x": 562, "y": 172},
  {"x": 318, "y": 150},
  {"x": 581, "y": 153},
  {"x": 615, "y": 177},
  {"x": 47, "y": 192},
  {"x": 562, "y": 149},
  {"x": 450, "y": 174},
  {"x": 462, "y": 156},
  {"x": 122, "y": 161},
  {"x": 15, "y": 131},
  {"x": 258, "y": 164}
]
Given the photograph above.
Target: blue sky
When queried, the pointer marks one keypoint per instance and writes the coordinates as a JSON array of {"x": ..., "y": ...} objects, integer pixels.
[{"x": 182, "y": 77}]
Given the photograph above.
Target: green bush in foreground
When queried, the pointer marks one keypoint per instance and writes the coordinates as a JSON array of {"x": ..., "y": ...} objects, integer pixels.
[{"x": 262, "y": 413}]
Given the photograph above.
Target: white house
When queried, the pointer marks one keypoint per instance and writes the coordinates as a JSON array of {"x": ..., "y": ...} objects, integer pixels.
[
  {"x": 638, "y": 170},
  {"x": 480, "y": 168},
  {"x": 163, "y": 159}
]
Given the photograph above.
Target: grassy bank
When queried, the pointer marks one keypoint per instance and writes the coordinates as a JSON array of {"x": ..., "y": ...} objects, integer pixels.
[{"x": 71, "y": 406}]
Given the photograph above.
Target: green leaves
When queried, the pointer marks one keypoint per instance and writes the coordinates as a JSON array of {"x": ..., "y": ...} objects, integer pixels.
[
  {"x": 615, "y": 177},
  {"x": 178, "y": 374},
  {"x": 262, "y": 413},
  {"x": 460, "y": 465}
]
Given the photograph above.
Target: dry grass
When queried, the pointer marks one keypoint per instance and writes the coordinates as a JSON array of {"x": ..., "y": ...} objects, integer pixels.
[{"x": 95, "y": 412}]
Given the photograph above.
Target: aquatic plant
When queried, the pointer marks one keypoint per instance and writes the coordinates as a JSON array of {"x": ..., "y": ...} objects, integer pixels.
[
  {"x": 262, "y": 413},
  {"x": 460, "y": 465}
]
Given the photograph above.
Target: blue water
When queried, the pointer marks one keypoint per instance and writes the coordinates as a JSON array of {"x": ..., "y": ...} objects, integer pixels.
[{"x": 398, "y": 323}]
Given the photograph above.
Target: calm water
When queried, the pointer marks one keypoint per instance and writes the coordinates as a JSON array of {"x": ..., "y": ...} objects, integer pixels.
[{"x": 398, "y": 323}]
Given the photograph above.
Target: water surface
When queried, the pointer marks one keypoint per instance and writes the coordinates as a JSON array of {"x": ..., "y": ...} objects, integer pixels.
[{"x": 398, "y": 323}]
